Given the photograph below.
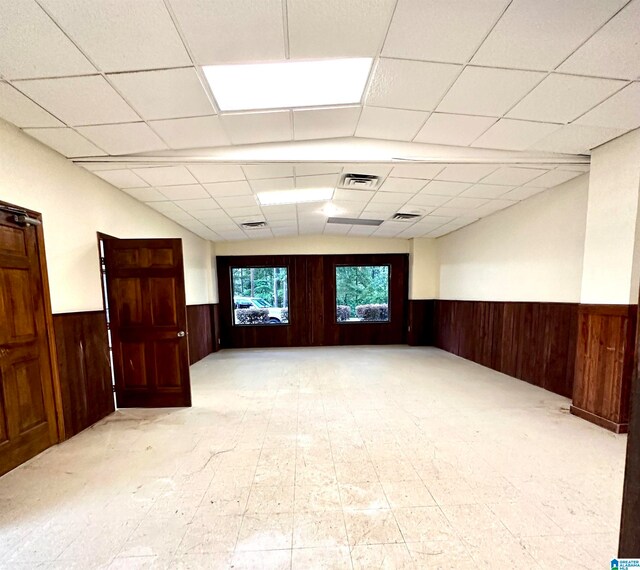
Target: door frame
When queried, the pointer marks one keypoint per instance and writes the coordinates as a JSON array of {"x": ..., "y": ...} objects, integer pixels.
[{"x": 48, "y": 318}]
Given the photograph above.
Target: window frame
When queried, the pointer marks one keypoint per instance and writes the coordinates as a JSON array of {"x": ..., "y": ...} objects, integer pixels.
[
  {"x": 335, "y": 293},
  {"x": 232, "y": 304}
]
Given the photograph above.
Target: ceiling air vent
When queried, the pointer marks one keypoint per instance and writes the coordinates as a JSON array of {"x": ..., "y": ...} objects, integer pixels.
[
  {"x": 254, "y": 225},
  {"x": 359, "y": 181},
  {"x": 354, "y": 221},
  {"x": 405, "y": 216}
]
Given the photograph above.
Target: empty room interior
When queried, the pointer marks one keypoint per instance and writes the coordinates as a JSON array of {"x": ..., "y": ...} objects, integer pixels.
[{"x": 338, "y": 284}]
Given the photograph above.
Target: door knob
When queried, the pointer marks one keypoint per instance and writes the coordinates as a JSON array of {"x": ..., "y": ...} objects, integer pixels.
[{"x": 181, "y": 334}]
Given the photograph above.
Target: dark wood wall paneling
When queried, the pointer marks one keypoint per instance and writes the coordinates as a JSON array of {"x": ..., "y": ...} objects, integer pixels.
[
  {"x": 422, "y": 322},
  {"x": 85, "y": 374},
  {"x": 203, "y": 329},
  {"x": 630, "y": 521},
  {"x": 604, "y": 364},
  {"x": 312, "y": 303},
  {"x": 534, "y": 342}
]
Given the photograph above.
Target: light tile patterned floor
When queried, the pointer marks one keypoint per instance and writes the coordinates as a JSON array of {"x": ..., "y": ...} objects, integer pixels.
[{"x": 357, "y": 458}]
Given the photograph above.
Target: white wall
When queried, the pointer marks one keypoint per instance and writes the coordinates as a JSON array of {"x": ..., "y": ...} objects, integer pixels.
[
  {"x": 424, "y": 269},
  {"x": 75, "y": 204},
  {"x": 312, "y": 245},
  {"x": 532, "y": 251},
  {"x": 612, "y": 252}
]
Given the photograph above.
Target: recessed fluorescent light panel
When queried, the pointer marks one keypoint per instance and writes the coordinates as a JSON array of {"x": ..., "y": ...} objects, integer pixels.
[
  {"x": 315, "y": 83},
  {"x": 276, "y": 197}
]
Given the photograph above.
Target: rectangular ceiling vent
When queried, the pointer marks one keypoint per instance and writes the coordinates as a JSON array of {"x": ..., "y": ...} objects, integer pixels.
[
  {"x": 354, "y": 221},
  {"x": 405, "y": 216},
  {"x": 254, "y": 225},
  {"x": 352, "y": 181}
]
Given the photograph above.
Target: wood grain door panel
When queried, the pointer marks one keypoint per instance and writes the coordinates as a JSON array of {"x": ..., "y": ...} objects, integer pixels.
[
  {"x": 27, "y": 410},
  {"x": 145, "y": 285}
]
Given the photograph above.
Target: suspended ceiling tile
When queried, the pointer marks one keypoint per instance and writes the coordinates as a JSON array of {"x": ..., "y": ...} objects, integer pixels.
[
  {"x": 523, "y": 193},
  {"x": 540, "y": 34},
  {"x": 66, "y": 141},
  {"x": 184, "y": 192},
  {"x": 491, "y": 191},
  {"x": 78, "y": 101},
  {"x": 195, "y": 132},
  {"x": 621, "y": 111},
  {"x": 227, "y": 202},
  {"x": 414, "y": 85},
  {"x": 361, "y": 230},
  {"x": 456, "y": 212},
  {"x": 466, "y": 172},
  {"x": 450, "y": 129},
  {"x": 117, "y": 37},
  {"x": 243, "y": 211},
  {"x": 309, "y": 168},
  {"x": 395, "y": 198},
  {"x": 319, "y": 181},
  {"x": 247, "y": 128},
  {"x": 408, "y": 185},
  {"x": 562, "y": 98},
  {"x": 438, "y": 30},
  {"x": 325, "y": 123},
  {"x": 165, "y": 175},
  {"x": 390, "y": 124},
  {"x": 422, "y": 199},
  {"x": 465, "y": 202},
  {"x": 21, "y": 111},
  {"x": 513, "y": 176},
  {"x": 124, "y": 138},
  {"x": 424, "y": 171},
  {"x": 198, "y": 205},
  {"x": 274, "y": 170},
  {"x": 31, "y": 45},
  {"x": 613, "y": 51},
  {"x": 216, "y": 172},
  {"x": 442, "y": 188},
  {"x": 122, "y": 178},
  {"x": 511, "y": 134},
  {"x": 553, "y": 178},
  {"x": 167, "y": 208},
  {"x": 353, "y": 195},
  {"x": 334, "y": 28},
  {"x": 146, "y": 194},
  {"x": 164, "y": 94},
  {"x": 271, "y": 184},
  {"x": 576, "y": 139},
  {"x": 380, "y": 170},
  {"x": 242, "y": 31},
  {"x": 237, "y": 188},
  {"x": 486, "y": 91}
]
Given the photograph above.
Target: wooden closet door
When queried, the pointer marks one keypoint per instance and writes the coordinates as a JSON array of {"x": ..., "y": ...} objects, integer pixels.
[{"x": 27, "y": 410}]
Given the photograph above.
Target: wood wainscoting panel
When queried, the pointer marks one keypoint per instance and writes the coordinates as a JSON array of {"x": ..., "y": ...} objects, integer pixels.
[
  {"x": 421, "y": 326},
  {"x": 534, "y": 342},
  {"x": 630, "y": 521},
  {"x": 85, "y": 372},
  {"x": 202, "y": 332},
  {"x": 604, "y": 364}
]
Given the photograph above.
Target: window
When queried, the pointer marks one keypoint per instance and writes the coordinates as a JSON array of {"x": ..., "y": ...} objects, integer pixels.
[
  {"x": 260, "y": 295},
  {"x": 362, "y": 293}
]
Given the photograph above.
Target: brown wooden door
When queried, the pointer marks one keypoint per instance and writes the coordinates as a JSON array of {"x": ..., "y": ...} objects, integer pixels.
[
  {"x": 147, "y": 308},
  {"x": 27, "y": 410}
]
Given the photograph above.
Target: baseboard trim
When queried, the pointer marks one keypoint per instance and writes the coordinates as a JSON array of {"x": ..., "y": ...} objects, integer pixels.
[{"x": 598, "y": 420}]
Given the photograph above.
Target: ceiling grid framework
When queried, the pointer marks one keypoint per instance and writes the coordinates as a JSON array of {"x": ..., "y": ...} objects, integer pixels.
[{"x": 522, "y": 75}]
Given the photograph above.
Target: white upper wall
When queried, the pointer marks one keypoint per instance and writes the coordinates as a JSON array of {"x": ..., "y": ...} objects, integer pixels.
[
  {"x": 612, "y": 256},
  {"x": 532, "y": 251},
  {"x": 313, "y": 245},
  {"x": 424, "y": 269},
  {"x": 75, "y": 205}
]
